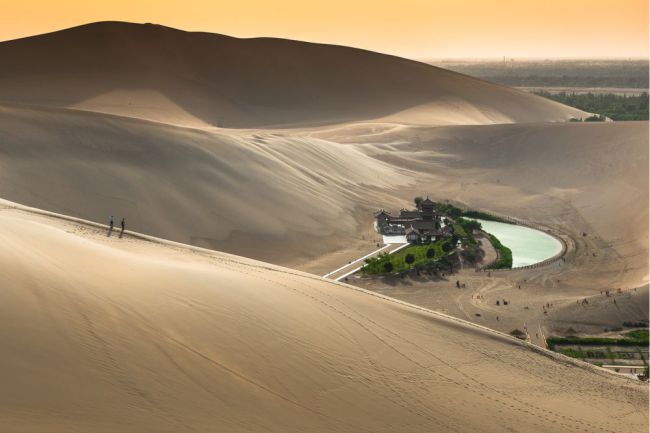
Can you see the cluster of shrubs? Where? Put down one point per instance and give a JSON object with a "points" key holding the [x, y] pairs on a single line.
{"points": [[637, 324], [505, 254], [456, 212]]}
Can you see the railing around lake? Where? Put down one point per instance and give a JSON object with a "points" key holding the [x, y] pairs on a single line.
{"points": [[519, 222]]}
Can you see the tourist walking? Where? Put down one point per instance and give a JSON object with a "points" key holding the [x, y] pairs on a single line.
{"points": [[111, 222], [122, 223]]}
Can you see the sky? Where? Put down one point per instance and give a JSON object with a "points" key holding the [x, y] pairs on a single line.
{"points": [[419, 29]]}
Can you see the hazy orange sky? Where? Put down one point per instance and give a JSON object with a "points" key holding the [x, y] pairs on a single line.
{"points": [[410, 28]]}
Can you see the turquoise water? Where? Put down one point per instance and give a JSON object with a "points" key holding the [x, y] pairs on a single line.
{"points": [[529, 246]]}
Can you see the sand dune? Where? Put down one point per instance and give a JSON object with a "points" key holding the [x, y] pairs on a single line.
{"points": [[313, 191], [247, 193], [107, 334], [200, 79]]}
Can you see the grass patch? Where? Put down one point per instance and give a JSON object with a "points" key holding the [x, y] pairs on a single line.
{"points": [[640, 335], [505, 254], [639, 338], [425, 256]]}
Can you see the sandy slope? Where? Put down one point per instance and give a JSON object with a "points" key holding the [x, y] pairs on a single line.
{"points": [[314, 191], [245, 193], [106, 334], [200, 79]]}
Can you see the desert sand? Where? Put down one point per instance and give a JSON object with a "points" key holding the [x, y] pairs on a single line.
{"points": [[269, 149], [137, 334], [198, 79]]}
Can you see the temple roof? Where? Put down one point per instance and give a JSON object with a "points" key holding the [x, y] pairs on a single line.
{"points": [[410, 230], [429, 226], [409, 213], [427, 204]]}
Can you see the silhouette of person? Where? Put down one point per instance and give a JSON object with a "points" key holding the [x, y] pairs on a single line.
{"points": [[122, 223], [111, 224]]}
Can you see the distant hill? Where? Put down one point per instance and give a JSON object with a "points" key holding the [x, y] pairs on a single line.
{"points": [[198, 79]]}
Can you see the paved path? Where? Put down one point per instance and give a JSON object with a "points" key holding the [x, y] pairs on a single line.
{"points": [[357, 264]]}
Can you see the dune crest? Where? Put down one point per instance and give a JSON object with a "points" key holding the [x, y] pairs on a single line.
{"points": [[121, 68]]}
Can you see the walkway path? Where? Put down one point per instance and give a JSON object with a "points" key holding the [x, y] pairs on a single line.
{"points": [[356, 265]]}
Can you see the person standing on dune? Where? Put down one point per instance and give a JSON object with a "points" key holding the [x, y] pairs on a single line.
{"points": [[122, 224], [111, 222]]}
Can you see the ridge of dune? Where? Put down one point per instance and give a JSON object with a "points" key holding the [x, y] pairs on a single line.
{"points": [[210, 79], [139, 334]]}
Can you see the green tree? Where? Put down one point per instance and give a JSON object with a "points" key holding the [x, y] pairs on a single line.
{"points": [[418, 200], [388, 267], [431, 253], [410, 258]]}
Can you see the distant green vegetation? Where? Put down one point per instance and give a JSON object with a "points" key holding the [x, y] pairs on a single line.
{"points": [[599, 354], [505, 254], [632, 338], [635, 340], [556, 73], [616, 107], [415, 257]]}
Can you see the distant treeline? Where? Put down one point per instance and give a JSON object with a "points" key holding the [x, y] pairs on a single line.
{"points": [[616, 107], [556, 73]]}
